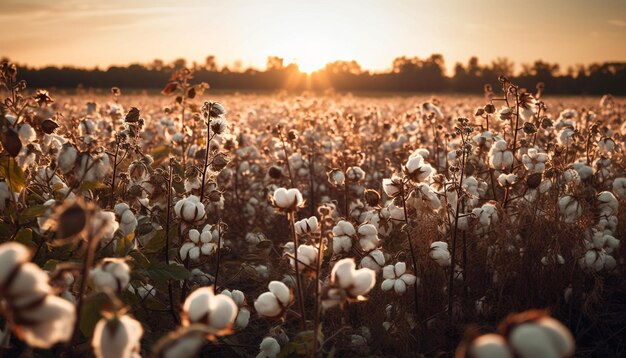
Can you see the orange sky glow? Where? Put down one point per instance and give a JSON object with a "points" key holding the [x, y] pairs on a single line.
{"points": [[310, 33]]}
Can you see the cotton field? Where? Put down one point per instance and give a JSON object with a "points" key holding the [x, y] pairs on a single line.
{"points": [[199, 223]]}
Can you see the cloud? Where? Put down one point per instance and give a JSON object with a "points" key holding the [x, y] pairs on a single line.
{"points": [[618, 23]]}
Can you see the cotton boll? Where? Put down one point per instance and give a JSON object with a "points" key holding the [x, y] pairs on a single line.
{"points": [[368, 237], [440, 254], [26, 133], [569, 208], [374, 260], [499, 157], [117, 338], [396, 277], [275, 302], [50, 322], [111, 274], [216, 312], [189, 209], [269, 348], [619, 187], [489, 346], [287, 199], [306, 226], [12, 254], [392, 187], [127, 220], [307, 256], [545, 337]]}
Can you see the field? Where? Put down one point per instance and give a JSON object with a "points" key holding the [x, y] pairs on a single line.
{"points": [[199, 222]]}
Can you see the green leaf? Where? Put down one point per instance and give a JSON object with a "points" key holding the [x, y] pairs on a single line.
{"points": [[32, 212], [161, 272], [159, 153], [93, 185], [124, 245], [156, 244], [91, 313], [13, 174], [25, 237], [140, 259]]}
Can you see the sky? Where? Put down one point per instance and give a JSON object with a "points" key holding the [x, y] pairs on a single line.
{"points": [[310, 33]]}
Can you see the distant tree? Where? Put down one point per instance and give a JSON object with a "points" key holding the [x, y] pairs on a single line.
{"points": [[275, 63], [210, 64]]}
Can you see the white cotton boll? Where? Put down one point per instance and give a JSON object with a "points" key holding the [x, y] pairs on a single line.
{"points": [[440, 254], [12, 254], [49, 323], [128, 221], [178, 137], [374, 260], [397, 278], [287, 198], [619, 187], [606, 145], [570, 209], [269, 348], [341, 244], [189, 209], [5, 194], [417, 169], [499, 157], [486, 214], [117, 338], [392, 187], [216, 312], [30, 282], [368, 237], [489, 346], [192, 183], [306, 226], [336, 177], [307, 256], [363, 280], [26, 133], [566, 136], [103, 223], [506, 180], [355, 174], [274, 302], [545, 337], [607, 203], [429, 108], [111, 274], [344, 228]]}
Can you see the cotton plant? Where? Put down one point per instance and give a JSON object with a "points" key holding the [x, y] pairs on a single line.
{"points": [[243, 314], [199, 244], [397, 278], [117, 337], [347, 283], [111, 274], [275, 302], [440, 254], [35, 314], [215, 313], [374, 260]]}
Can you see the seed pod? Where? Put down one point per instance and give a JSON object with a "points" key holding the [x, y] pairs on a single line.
{"points": [[48, 126]]}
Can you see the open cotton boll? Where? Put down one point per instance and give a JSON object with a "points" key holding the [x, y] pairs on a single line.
{"points": [[374, 260], [307, 256], [368, 237], [507, 180], [127, 220], [26, 133], [287, 199], [607, 203], [50, 322], [569, 208], [397, 278], [269, 348], [216, 312], [619, 187], [111, 274], [489, 346], [417, 169], [392, 187], [354, 282], [440, 254], [29, 283], [118, 337], [275, 302], [12, 254], [306, 226], [355, 174], [189, 209], [486, 214], [243, 315], [499, 156], [543, 338]]}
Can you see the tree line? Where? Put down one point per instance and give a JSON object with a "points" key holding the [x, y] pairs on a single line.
{"points": [[407, 74]]}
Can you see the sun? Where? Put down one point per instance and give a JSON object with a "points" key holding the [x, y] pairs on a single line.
{"points": [[310, 64]]}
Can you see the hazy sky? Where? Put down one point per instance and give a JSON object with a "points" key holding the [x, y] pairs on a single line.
{"points": [[90, 33]]}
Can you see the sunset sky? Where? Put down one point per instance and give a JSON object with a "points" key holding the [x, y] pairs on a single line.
{"points": [[310, 33]]}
